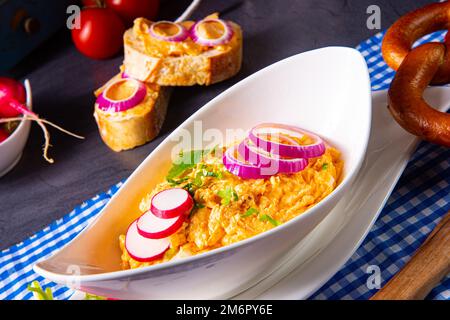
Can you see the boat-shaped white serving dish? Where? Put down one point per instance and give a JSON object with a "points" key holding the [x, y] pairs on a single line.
{"points": [[326, 91]]}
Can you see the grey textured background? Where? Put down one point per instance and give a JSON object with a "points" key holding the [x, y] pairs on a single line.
{"points": [[36, 193]]}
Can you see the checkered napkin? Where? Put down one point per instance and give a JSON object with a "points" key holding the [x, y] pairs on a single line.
{"points": [[420, 199]]}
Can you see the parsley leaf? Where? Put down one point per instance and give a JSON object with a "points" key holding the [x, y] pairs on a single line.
{"points": [[249, 212], [185, 161], [93, 297], [173, 182], [227, 195], [178, 169], [325, 166], [210, 174], [204, 173], [197, 205], [190, 187], [198, 178], [39, 293], [266, 217]]}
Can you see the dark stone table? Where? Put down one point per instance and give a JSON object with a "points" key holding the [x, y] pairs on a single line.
{"points": [[36, 193]]}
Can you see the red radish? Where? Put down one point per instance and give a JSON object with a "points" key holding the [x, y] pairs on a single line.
{"points": [[12, 104], [12, 98], [171, 203], [143, 249], [3, 135], [152, 227]]}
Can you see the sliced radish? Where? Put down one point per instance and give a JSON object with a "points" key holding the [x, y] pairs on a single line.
{"points": [[152, 227], [143, 249], [171, 203]]}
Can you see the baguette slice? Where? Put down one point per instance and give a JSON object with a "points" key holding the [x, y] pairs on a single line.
{"points": [[136, 126], [170, 68]]}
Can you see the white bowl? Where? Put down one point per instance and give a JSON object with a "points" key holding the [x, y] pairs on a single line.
{"points": [[11, 149], [326, 91]]}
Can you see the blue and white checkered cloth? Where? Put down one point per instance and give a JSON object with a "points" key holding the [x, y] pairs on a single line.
{"points": [[420, 199]]}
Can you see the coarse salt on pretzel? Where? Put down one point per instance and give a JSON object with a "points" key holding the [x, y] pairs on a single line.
{"points": [[416, 69]]}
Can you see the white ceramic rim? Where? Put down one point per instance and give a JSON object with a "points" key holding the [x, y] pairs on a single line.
{"points": [[342, 238], [169, 264]]}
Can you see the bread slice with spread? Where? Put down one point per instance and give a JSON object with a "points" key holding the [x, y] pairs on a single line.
{"points": [[184, 53], [129, 113]]}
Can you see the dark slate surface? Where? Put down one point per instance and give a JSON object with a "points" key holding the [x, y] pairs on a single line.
{"points": [[36, 193]]}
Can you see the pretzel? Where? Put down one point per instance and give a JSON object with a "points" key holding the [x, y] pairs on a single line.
{"points": [[416, 69], [405, 95]]}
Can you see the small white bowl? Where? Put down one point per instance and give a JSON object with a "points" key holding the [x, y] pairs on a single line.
{"points": [[326, 91], [11, 149]]}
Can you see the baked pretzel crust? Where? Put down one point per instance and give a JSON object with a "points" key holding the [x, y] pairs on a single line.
{"points": [[416, 69], [400, 37], [406, 103]]}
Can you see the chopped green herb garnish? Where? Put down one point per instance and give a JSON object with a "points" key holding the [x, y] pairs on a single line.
{"points": [[249, 212], [185, 161], [210, 174], [204, 173], [198, 179], [227, 195], [39, 293], [178, 169], [93, 297], [188, 160], [199, 205], [325, 166], [190, 187], [173, 182], [266, 217]]}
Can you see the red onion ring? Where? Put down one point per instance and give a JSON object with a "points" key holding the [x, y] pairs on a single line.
{"points": [[240, 168], [110, 105], [286, 150], [260, 158], [181, 35], [224, 38]]}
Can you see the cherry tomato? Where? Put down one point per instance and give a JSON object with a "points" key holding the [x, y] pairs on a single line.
{"points": [[3, 135], [100, 35], [129, 10], [92, 3]]}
